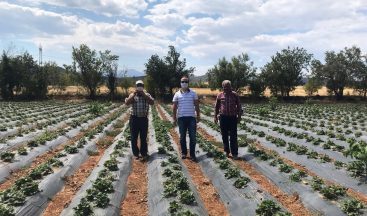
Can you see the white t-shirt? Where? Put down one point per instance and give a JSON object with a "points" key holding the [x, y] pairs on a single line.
{"points": [[186, 106]]}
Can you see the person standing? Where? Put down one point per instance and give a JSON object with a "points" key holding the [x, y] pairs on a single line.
{"points": [[140, 101], [185, 106], [228, 108]]}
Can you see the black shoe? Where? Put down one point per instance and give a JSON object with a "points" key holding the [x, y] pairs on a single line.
{"points": [[193, 159], [235, 157], [183, 156], [145, 158]]}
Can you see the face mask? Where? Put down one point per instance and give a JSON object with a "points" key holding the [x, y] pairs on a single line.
{"points": [[227, 90], [184, 85], [140, 88]]}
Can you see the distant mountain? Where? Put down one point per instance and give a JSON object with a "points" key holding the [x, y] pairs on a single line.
{"points": [[134, 73], [202, 78]]}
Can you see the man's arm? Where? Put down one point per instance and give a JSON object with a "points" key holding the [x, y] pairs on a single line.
{"points": [[149, 98], [130, 99], [216, 110], [238, 104], [197, 109], [174, 107]]}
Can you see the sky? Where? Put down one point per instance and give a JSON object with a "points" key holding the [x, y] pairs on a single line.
{"points": [[203, 31]]}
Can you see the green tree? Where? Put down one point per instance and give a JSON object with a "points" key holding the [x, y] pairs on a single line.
{"points": [[89, 65], [338, 70], [109, 67], [176, 68], [164, 74], [34, 81], [125, 82], [7, 79], [257, 85], [360, 78], [285, 71], [312, 86], [239, 71]]}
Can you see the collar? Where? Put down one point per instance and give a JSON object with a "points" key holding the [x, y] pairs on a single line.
{"points": [[188, 90]]}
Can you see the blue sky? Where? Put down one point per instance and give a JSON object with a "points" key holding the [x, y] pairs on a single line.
{"points": [[202, 30]]}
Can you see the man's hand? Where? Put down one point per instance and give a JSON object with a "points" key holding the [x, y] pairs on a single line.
{"points": [[216, 119], [174, 122]]}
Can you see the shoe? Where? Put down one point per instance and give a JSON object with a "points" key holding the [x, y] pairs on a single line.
{"points": [[193, 159], [183, 156], [145, 158], [235, 157]]}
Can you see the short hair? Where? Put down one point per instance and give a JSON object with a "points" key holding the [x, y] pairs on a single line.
{"points": [[185, 76], [226, 82]]}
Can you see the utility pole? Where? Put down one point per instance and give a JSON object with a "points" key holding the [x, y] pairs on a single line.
{"points": [[40, 55]]}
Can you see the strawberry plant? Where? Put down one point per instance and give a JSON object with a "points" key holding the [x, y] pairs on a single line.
{"points": [[6, 210], [84, 208], [103, 185], [174, 207], [71, 149], [358, 150], [27, 185], [317, 183], [186, 197], [268, 208], [40, 171], [12, 197], [241, 182], [352, 207], [333, 191], [7, 156], [111, 164], [285, 168], [22, 151], [232, 172]]}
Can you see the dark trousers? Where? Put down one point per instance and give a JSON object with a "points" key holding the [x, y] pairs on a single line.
{"points": [[139, 125], [187, 124], [228, 126]]}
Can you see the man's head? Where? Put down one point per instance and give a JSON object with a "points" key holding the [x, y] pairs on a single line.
{"points": [[185, 82], [226, 85], [139, 85]]}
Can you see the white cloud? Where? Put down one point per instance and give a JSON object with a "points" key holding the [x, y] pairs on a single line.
{"points": [[204, 30], [128, 8]]}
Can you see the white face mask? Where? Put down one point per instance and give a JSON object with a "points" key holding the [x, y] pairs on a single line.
{"points": [[184, 85], [140, 88]]}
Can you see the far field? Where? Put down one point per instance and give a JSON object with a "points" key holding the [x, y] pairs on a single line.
{"points": [[299, 91], [74, 158]]}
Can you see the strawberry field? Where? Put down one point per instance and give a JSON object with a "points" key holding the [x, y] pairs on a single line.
{"points": [[75, 158]]}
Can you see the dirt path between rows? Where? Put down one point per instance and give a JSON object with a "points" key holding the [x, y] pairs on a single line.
{"points": [[355, 194], [73, 183], [291, 202], [44, 157], [205, 188], [136, 200]]}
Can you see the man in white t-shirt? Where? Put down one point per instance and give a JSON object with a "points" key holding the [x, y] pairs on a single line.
{"points": [[185, 109]]}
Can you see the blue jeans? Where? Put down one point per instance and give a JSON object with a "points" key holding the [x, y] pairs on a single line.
{"points": [[187, 124]]}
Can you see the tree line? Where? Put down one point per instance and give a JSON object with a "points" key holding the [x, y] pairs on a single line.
{"points": [[22, 76], [287, 68]]}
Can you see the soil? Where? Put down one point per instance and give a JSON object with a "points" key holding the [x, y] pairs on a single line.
{"points": [[136, 200], [207, 192], [75, 181], [41, 159], [291, 202]]}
